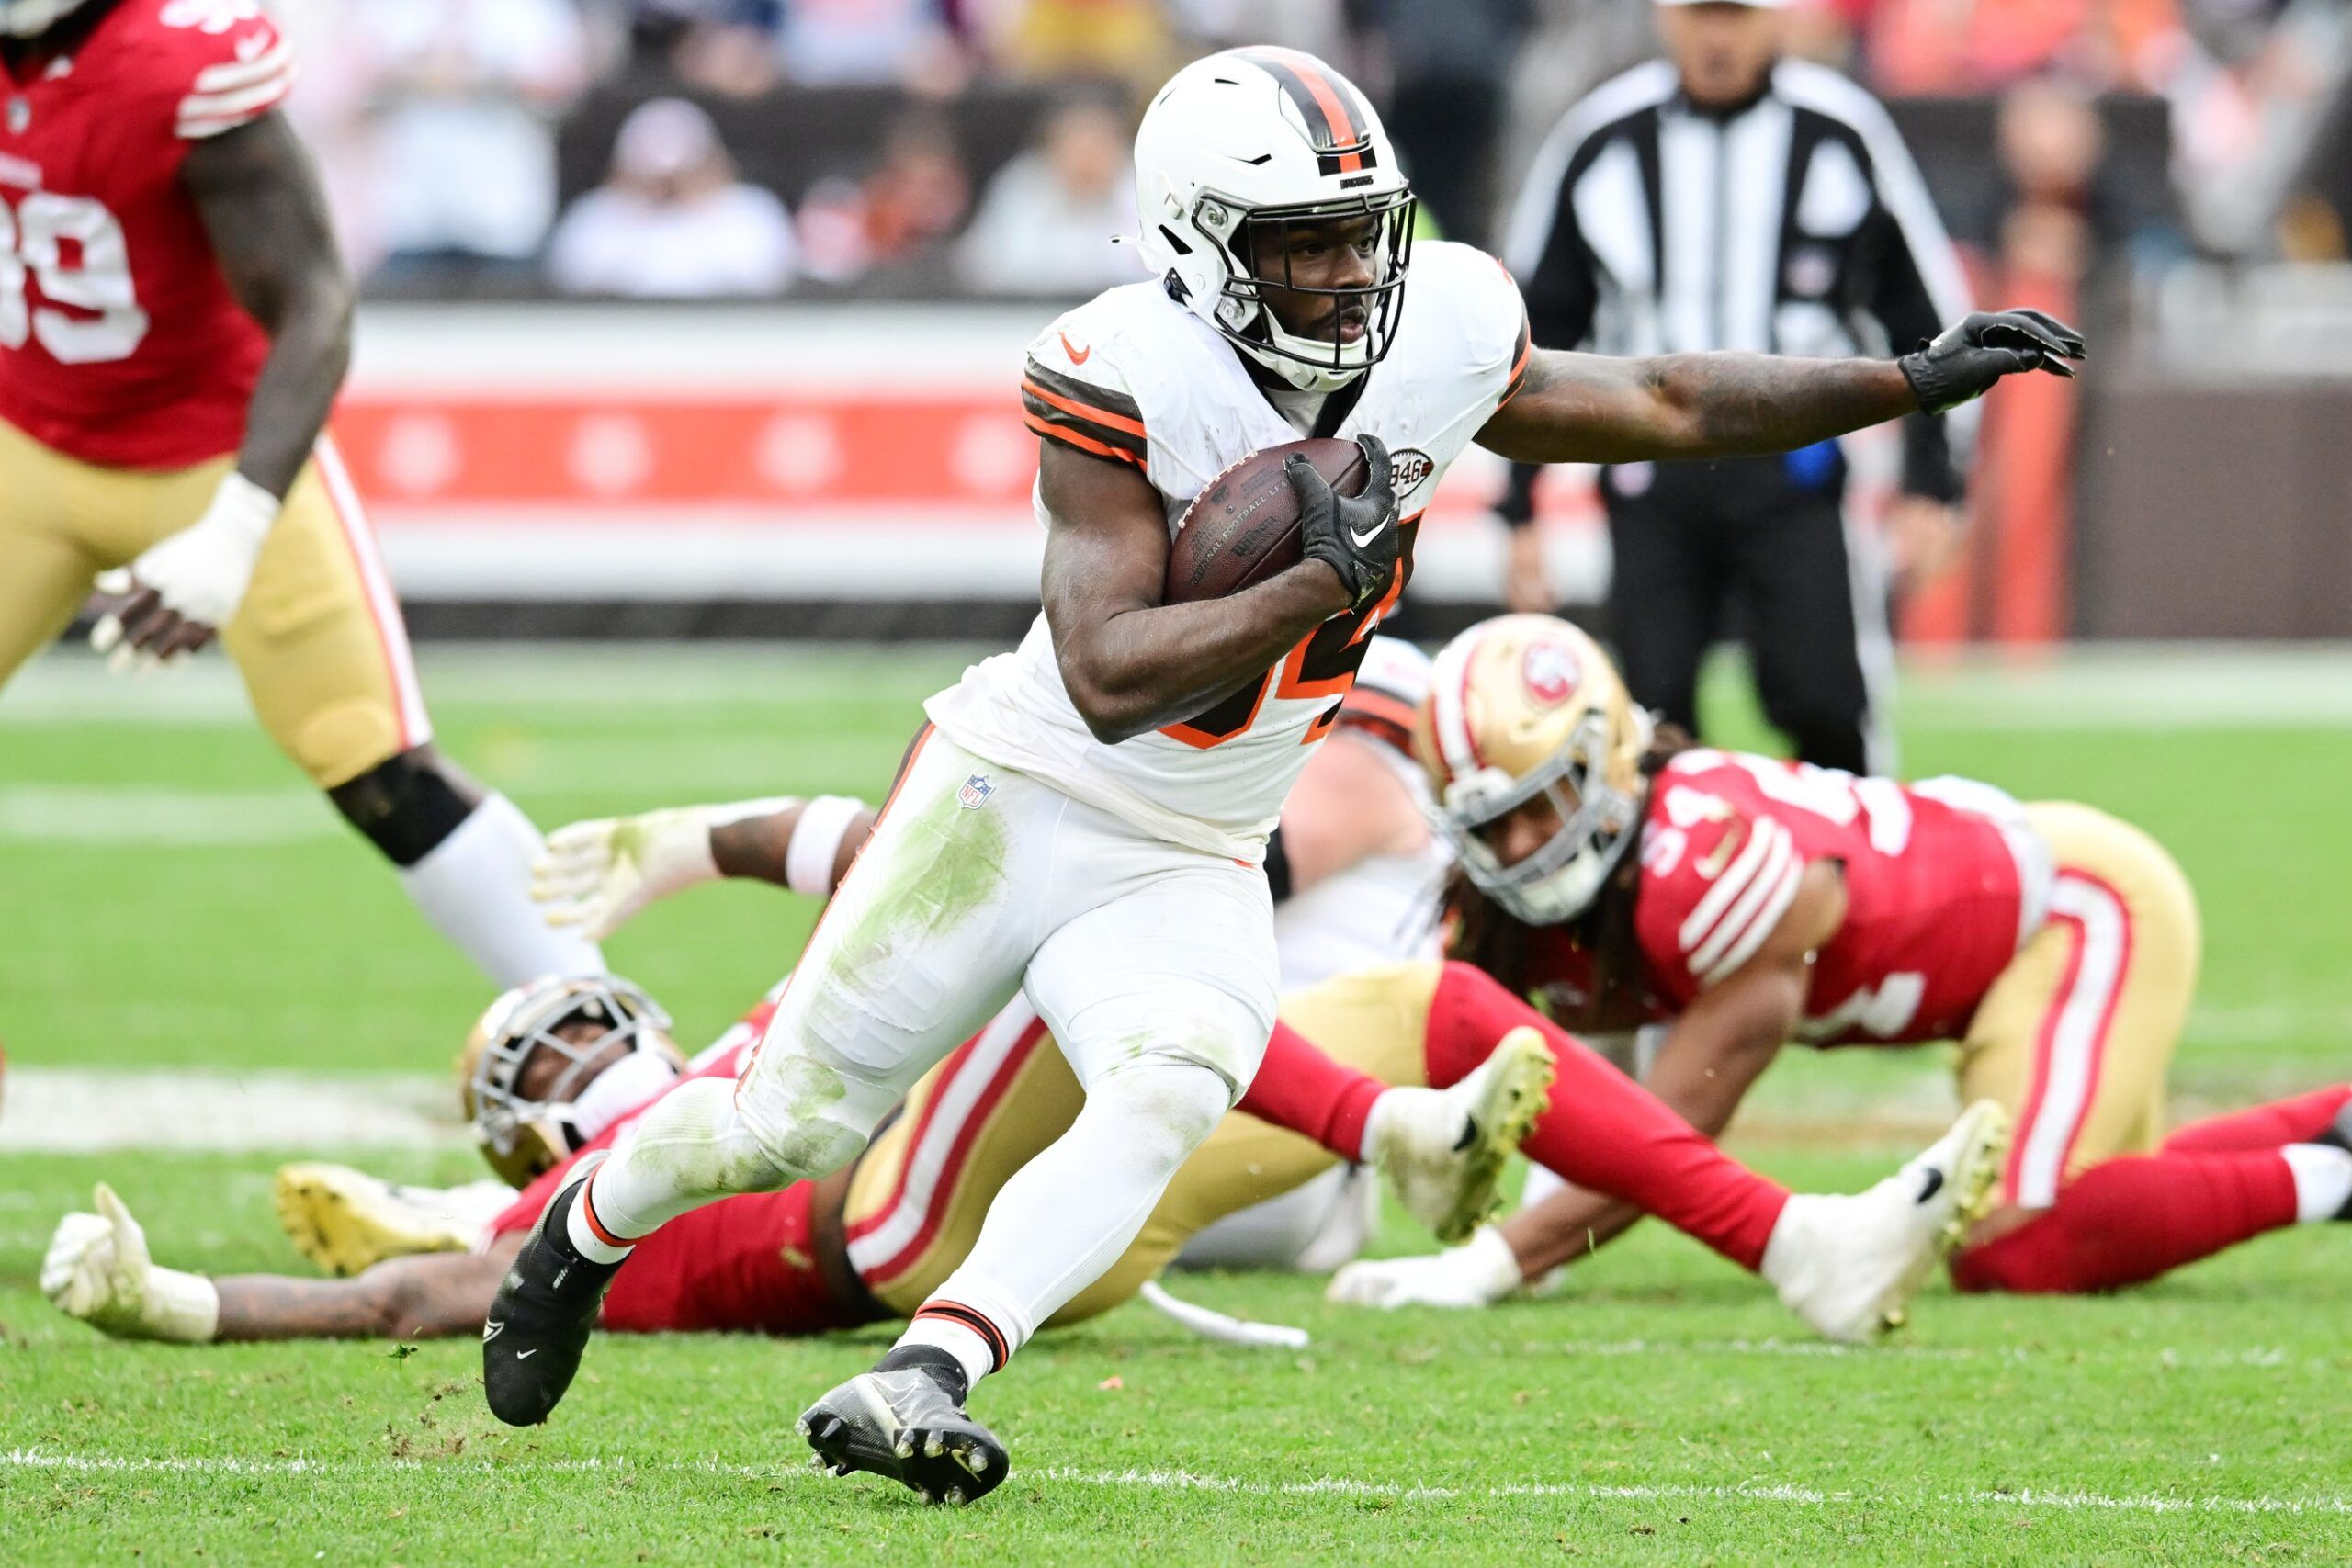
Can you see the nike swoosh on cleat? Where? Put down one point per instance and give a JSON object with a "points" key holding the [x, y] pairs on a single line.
{"points": [[1933, 1185], [526, 1355], [1367, 537], [491, 1329]]}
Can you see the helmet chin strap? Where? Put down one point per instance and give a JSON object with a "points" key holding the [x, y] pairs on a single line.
{"points": [[617, 1090]]}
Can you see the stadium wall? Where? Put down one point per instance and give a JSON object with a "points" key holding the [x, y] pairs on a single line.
{"points": [[793, 470]]}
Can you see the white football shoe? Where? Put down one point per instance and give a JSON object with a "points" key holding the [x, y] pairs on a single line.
{"points": [[1849, 1265], [347, 1220], [1443, 1150]]}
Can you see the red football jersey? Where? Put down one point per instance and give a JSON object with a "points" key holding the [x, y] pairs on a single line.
{"points": [[1934, 892], [120, 344]]}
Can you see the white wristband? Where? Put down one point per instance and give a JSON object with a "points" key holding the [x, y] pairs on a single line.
{"points": [[180, 1307], [816, 844], [241, 511]]}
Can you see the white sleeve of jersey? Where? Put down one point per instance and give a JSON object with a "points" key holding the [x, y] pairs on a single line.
{"points": [[1076, 388], [1481, 321]]}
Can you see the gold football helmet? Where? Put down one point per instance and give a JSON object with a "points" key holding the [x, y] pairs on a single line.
{"points": [[523, 1137], [1523, 707]]}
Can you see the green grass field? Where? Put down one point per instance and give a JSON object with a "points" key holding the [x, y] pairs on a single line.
{"points": [[172, 897]]}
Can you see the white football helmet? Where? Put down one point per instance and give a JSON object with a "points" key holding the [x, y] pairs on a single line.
{"points": [[1527, 705], [1235, 147], [521, 1137], [30, 18]]}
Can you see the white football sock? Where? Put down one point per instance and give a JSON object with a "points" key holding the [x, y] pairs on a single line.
{"points": [[2323, 1180], [971, 1351], [475, 889], [1065, 1216]]}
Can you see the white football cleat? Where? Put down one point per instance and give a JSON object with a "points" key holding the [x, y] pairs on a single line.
{"points": [[1849, 1265], [347, 1220], [1443, 1150]]}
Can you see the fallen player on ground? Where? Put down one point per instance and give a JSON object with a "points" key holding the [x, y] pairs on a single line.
{"points": [[870, 1244]]}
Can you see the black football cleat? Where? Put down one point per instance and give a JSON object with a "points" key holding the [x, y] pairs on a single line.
{"points": [[546, 1308], [907, 1422]]}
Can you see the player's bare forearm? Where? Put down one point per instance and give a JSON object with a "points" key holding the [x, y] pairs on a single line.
{"points": [[1584, 408], [1132, 663], [756, 848], [435, 1296], [1563, 1227], [1153, 665], [262, 208]]}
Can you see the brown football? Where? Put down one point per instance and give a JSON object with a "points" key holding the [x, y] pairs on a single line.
{"points": [[1244, 527]]}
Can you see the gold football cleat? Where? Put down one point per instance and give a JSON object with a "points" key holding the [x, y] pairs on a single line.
{"points": [[347, 1220]]}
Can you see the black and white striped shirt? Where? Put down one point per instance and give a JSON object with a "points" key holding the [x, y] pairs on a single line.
{"points": [[1795, 224]]}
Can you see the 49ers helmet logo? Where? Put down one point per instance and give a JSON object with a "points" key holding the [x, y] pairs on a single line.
{"points": [[1552, 672]]}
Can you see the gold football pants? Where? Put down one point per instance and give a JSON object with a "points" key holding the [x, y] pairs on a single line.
{"points": [[2077, 1034], [318, 640]]}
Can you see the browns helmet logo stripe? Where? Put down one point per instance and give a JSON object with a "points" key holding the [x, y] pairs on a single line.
{"points": [[1336, 120], [1089, 419]]}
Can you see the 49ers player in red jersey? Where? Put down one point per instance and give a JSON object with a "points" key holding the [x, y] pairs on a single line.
{"points": [[1633, 876], [175, 322]]}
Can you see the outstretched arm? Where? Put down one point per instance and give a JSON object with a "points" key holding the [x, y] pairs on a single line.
{"points": [[1584, 408], [1710, 1058], [436, 1295], [98, 1269], [600, 873]]}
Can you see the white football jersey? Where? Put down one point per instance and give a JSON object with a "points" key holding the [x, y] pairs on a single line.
{"points": [[1134, 378]]}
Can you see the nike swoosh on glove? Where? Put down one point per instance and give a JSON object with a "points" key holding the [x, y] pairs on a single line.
{"points": [[1355, 535], [1963, 360]]}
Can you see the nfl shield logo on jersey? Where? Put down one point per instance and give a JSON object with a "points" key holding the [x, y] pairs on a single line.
{"points": [[974, 792]]}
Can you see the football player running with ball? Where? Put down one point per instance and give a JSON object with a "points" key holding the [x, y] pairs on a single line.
{"points": [[174, 324], [1084, 818]]}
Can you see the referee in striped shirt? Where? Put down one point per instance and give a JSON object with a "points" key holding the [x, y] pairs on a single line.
{"points": [[1725, 197]]}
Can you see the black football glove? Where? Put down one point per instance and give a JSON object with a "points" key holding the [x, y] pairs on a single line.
{"points": [[1355, 535], [1967, 358]]}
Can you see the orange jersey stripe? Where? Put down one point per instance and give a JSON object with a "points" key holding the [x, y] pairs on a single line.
{"points": [[1071, 438], [1104, 417]]}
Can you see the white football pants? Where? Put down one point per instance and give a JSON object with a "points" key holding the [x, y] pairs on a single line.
{"points": [[978, 882]]}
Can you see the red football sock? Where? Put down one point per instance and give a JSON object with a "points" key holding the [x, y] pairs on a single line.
{"points": [[1603, 1131], [2298, 1121], [1300, 1089], [2132, 1219]]}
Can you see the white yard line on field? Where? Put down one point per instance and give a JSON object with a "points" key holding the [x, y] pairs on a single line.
{"points": [[1189, 1480], [117, 815], [78, 1110]]}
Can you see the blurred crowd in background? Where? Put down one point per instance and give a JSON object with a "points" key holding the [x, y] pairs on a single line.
{"points": [[921, 147]]}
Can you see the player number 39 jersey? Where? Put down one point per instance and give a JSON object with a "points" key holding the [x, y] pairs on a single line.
{"points": [[120, 344], [1133, 378]]}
